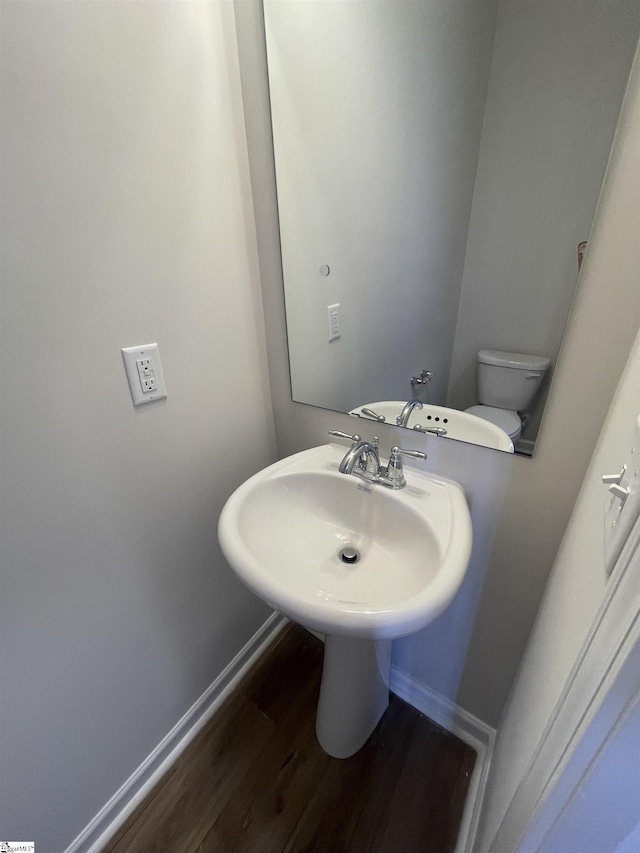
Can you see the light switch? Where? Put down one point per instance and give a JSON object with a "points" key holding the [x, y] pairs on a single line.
{"points": [[144, 372], [622, 501], [333, 316]]}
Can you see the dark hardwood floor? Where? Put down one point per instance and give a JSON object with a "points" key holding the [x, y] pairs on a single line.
{"points": [[255, 779]]}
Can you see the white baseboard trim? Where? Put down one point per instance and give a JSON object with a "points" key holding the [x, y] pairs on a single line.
{"points": [[469, 729], [110, 818]]}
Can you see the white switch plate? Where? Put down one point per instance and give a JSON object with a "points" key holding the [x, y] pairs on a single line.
{"points": [[619, 517], [333, 317], [144, 372]]}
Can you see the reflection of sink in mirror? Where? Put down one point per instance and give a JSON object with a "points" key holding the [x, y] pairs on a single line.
{"points": [[362, 564], [459, 425]]}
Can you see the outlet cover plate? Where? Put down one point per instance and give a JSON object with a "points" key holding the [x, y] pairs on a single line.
{"points": [[144, 372], [333, 319]]}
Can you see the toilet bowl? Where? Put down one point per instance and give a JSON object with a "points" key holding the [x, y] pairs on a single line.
{"points": [[507, 384], [508, 421]]}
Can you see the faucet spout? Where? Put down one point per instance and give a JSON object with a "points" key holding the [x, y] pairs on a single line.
{"points": [[403, 417], [362, 458]]}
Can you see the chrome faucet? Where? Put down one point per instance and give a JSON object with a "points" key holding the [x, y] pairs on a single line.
{"points": [[403, 417], [425, 377], [363, 460]]}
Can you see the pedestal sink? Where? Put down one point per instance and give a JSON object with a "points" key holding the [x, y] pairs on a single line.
{"points": [[359, 563]]}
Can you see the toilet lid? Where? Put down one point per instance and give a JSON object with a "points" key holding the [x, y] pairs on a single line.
{"points": [[516, 360], [504, 418]]}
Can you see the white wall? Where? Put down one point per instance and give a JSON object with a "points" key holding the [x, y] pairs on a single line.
{"points": [[558, 76], [122, 223], [577, 583], [576, 589], [377, 112], [520, 507]]}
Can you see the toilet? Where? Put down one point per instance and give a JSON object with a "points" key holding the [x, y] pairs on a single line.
{"points": [[507, 384]]}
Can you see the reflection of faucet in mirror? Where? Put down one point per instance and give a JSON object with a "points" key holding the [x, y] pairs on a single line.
{"points": [[403, 417], [371, 414], [425, 377], [431, 430]]}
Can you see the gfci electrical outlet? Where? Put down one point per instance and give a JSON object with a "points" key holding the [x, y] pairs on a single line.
{"points": [[147, 375], [144, 372]]}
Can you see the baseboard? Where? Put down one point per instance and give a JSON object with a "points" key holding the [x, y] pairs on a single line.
{"points": [[469, 729], [447, 714], [462, 724], [110, 818]]}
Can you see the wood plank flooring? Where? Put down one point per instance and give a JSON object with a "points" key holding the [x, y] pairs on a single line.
{"points": [[255, 779]]}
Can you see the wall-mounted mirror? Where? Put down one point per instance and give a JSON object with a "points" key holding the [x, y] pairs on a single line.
{"points": [[438, 165]]}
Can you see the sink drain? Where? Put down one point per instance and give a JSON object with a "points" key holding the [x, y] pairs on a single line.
{"points": [[349, 555]]}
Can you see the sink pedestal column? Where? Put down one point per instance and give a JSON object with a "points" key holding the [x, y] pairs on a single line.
{"points": [[354, 692]]}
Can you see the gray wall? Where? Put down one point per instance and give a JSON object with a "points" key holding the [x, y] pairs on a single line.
{"points": [[123, 222], [558, 76], [520, 507], [578, 582], [375, 178]]}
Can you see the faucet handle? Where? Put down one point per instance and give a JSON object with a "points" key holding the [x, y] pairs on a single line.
{"points": [[431, 430], [336, 432], [394, 475], [398, 451], [371, 414]]}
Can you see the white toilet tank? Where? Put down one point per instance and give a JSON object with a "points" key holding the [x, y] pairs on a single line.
{"points": [[509, 380]]}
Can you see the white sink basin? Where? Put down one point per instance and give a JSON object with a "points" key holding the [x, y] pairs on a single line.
{"points": [[459, 425], [283, 530]]}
